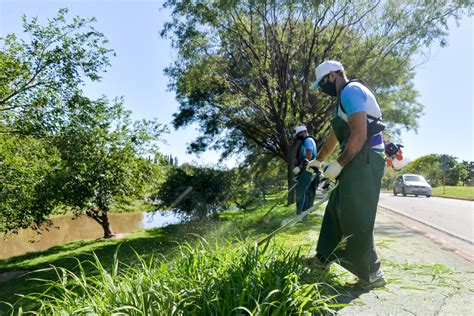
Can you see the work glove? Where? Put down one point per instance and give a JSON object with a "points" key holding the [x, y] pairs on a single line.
{"points": [[314, 164], [331, 170], [296, 170], [305, 162]]}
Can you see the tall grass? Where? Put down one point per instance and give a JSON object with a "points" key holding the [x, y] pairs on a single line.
{"points": [[233, 279]]}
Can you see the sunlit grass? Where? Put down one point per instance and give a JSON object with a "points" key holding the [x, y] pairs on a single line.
{"points": [[203, 279], [161, 242], [173, 271], [454, 191]]}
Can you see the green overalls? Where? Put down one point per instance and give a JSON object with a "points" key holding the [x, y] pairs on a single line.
{"points": [[350, 213], [306, 187]]}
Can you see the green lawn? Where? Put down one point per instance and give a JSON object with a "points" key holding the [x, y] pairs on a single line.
{"points": [[455, 192]]}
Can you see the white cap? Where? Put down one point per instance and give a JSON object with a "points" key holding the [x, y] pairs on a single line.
{"points": [[299, 129], [323, 69]]}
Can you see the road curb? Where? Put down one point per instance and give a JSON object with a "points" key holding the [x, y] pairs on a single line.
{"points": [[425, 223], [453, 198], [411, 224]]}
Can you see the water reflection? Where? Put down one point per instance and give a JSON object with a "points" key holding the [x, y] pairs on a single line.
{"points": [[159, 219], [66, 229]]}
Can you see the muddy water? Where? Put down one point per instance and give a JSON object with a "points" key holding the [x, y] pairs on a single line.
{"points": [[66, 229]]}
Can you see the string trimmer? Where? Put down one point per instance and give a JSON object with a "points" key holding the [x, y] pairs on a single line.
{"points": [[300, 216]]}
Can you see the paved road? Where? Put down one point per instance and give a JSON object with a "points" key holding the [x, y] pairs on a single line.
{"points": [[455, 217]]}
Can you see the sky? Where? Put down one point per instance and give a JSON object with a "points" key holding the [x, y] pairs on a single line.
{"points": [[445, 83]]}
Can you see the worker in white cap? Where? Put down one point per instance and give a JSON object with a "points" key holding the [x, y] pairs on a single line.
{"points": [[350, 213], [307, 179]]}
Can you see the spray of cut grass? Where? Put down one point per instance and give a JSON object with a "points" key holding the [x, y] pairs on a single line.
{"points": [[426, 276], [233, 279]]}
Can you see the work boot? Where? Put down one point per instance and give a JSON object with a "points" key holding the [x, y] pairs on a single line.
{"points": [[375, 280], [317, 261]]}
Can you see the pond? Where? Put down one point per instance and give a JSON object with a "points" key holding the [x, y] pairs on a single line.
{"points": [[66, 229]]}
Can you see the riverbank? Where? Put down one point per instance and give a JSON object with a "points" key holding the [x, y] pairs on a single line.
{"points": [[418, 271], [68, 228], [145, 243], [157, 243]]}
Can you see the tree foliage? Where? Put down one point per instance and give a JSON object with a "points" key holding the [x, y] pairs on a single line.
{"points": [[43, 71], [94, 161], [197, 191], [58, 149], [100, 159], [264, 171], [390, 177], [24, 163], [244, 68], [468, 175], [429, 166]]}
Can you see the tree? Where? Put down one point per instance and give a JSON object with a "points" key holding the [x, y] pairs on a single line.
{"points": [[264, 171], [58, 149], [427, 166], [197, 192], [390, 177], [244, 67], [468, 174], [40, 74], [430, 167], [102, 159], [93, 162], [455, 173]]}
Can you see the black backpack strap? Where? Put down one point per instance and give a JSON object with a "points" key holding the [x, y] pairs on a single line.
{"points": [[298, 158], [309, 137], [365, 85], [374, 127], [315, 169]]}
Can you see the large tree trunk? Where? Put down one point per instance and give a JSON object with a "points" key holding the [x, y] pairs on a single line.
{"points": [[102, 218], [291, 159]]}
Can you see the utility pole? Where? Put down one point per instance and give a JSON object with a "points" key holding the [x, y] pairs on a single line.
{"points": [[444, 166], [444, 182]]}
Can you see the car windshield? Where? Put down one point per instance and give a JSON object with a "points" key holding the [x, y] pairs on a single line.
{"points": [[414, 178]]}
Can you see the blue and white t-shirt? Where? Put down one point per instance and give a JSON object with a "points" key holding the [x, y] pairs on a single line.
{"points": [[355, 98], [308, 143]]}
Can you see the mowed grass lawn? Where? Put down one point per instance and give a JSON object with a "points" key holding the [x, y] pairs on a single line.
{"points": [[462, 192]]}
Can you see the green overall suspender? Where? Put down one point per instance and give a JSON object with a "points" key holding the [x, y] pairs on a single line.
{"points": [[350, 213]]}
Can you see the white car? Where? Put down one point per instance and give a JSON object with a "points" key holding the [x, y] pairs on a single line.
{"points": [[412, 184]]}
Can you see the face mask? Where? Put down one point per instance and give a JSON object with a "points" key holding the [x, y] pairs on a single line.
{"points": [[329, 88], [300, 137]]}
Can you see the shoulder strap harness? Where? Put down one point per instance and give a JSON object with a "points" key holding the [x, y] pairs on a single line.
{"points": [[377, 125]]}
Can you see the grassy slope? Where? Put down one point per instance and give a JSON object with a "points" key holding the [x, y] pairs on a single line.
{"points": [[162, 242]]}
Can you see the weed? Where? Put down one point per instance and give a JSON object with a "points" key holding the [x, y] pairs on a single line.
{"points": [[202, 280]]}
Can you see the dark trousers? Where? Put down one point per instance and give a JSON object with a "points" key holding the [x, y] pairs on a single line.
{"points": [[348, 224]]}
